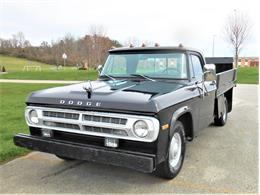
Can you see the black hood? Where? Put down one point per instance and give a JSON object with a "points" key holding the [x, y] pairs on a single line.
{"points": [[114, 95]]}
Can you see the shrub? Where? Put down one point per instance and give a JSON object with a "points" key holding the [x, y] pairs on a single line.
{"points": [[3, 69]]}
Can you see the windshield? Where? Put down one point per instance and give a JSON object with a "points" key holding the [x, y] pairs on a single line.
{"points": [[156, 65]]}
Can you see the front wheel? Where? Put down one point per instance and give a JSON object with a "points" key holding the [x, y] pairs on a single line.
{"points": [[176, 152]]}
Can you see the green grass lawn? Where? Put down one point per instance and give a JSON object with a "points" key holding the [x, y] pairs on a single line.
{"points": [[248, 75], [14, 67], [16, 64], [77, 75], [12, 98]]}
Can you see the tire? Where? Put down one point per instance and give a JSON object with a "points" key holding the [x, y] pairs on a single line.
{"points": [[222, 120], [64, 158], [175, 155]]}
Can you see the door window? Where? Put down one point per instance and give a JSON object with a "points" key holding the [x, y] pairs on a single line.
{"points": [[197, 67]]}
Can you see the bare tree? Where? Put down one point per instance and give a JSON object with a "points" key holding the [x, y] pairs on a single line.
{"points": [[97, 30], [14, 41], [236, 31], [90, 49], [99, 43], [21, 39]]}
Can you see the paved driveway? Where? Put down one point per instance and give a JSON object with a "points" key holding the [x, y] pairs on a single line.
{"points": [[220, 160]]}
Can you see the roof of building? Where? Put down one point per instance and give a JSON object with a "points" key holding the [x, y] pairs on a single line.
{"points": [[257, 58]]}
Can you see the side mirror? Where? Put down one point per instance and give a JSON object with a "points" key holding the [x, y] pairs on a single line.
{"points": [[99, 68], [210, 72]]}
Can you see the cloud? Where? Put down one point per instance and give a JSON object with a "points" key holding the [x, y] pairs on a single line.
{"points": [[192, 23]]}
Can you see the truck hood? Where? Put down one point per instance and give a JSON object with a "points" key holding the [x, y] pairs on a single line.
{"points": [[112, 95]]}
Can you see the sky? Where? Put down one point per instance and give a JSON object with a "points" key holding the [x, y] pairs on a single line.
{"points": [[167, 22]]}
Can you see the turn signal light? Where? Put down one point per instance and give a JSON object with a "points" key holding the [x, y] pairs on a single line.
{"points": [[166, 126]]}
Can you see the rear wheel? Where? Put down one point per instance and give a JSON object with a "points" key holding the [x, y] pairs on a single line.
{"points": [[221, 121], [176, 152]]}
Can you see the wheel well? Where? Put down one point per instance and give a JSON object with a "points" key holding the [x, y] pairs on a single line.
{"points": [[186, 120]]}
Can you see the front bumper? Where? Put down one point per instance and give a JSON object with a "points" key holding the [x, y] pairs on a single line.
{"points": [[133, 160]]}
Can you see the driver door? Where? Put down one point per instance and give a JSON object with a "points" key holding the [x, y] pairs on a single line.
{"points": [[206, 97]]}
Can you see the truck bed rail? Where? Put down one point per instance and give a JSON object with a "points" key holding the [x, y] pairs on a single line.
{"points": [[225, 81]]}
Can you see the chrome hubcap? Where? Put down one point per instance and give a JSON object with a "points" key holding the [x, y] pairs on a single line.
{"points": [[175, 150]]}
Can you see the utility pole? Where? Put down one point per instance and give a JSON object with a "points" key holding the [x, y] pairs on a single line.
{"points": [[213, 45]]}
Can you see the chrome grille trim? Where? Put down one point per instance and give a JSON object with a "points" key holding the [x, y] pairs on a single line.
{"points": [[61, 125], [105, 130], [114, 125], [61, 115], [104, 119]]}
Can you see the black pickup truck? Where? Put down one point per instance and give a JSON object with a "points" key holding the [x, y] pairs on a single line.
{"points": [[147, 102]]}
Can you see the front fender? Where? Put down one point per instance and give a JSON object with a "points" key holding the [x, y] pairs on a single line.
{"points": [[169, 116], [179, 112]]}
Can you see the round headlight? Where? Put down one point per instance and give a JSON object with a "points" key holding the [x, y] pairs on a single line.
{"points": [[33, 116], [141, 128]]}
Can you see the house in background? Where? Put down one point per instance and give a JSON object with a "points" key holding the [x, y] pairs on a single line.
{"points": [[248, 61]]}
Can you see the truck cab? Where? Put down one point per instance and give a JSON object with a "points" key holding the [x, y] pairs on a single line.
{"points": [[145, 105]]}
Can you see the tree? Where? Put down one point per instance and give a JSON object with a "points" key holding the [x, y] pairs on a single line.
{"points": [[99, 44], [44, 44], [98, 30], [116, 43], [21, 39], [236, 31], [90, 49]]}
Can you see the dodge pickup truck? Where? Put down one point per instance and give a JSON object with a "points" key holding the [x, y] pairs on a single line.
{"points": [[146, 104]]}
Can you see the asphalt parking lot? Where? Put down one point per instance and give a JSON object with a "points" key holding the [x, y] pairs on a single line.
{"points": [[219, 160]]}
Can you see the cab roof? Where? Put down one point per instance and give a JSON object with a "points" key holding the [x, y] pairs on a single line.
{"points": [[152, 49]]}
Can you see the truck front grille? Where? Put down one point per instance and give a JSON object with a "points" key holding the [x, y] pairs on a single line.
{"points": [[104, 119], [65, 115], [61, 125], [105, 130], [86, 122], [93, 123]]}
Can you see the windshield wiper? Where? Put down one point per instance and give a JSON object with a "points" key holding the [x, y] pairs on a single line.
{"points": [[108, 76], [143, 76]]}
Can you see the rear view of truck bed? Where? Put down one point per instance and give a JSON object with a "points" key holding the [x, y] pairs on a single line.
{"points": [[226, 74]]}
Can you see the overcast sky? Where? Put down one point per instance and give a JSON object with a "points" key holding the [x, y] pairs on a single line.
{"points": [[168, 22]]}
